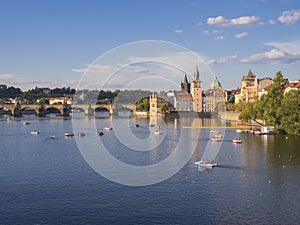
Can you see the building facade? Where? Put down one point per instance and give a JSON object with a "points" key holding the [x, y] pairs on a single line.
{"points": [[215, 97], [197, 92]]}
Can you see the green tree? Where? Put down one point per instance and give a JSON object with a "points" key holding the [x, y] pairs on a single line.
{"points": [[143, 105], [164, 107], [290, 112], [248, 114], [267, 107]]}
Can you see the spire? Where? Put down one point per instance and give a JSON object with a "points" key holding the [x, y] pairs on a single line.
{"points": [[196, 74], [185, 81], [185, 86], [250, 74], [215, 84]]}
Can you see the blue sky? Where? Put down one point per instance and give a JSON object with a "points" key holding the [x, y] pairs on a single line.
{"points": [[52, 42]]}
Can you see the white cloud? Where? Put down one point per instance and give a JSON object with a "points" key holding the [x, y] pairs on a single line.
{"points": [[274, 56], [222, 60], [289, 17], [240, 21], [241, 35], [292, 47], [272, 22], [207, 32], [94, 68], [219, 38], [178, 31]]}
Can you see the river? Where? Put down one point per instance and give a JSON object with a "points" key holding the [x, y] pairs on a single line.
{"points": [[52, 181]]}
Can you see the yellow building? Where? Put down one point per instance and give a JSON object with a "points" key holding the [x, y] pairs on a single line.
{"points": [[249, 87], [157, 99], [197, 92], [252, 87]]}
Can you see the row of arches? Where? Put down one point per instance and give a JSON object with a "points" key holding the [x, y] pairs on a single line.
{"points": [[71, 111]]}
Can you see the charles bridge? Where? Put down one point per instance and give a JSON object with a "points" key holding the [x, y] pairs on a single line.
{"points": [[18, 110]]}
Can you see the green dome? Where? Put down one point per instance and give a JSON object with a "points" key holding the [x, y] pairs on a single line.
{"points": [[215, 84]]}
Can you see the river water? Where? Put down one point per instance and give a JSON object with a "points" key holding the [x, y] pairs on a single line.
{"points": [[48, 181]]}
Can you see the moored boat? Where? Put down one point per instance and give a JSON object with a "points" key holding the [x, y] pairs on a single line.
{"points": [[237, 141], [107, 128], [52, 136], [157, 132]]}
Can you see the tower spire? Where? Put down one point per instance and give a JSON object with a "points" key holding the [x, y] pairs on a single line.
{"points": [[185, 86], [196, 74]]}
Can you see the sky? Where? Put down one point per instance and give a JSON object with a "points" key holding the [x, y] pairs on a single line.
{"points": [[104, 43]]}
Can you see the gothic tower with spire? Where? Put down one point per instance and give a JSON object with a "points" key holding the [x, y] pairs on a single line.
{"points": [[197, 92], [186, 86]]}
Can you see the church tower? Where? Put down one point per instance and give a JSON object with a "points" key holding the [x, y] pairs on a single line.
{"points": [[197, 92], [186, 86]]}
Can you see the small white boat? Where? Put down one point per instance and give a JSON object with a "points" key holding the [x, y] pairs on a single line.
{"points": [[157, 132], [239, 130], [214, 132], [35, 132], [217, 138], [237, 141], [26, 123], [257, 132], [69, 134], [52, 136], [107, 128], [205, 163]]}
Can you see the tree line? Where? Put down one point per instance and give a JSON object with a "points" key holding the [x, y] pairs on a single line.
{"points": [[276, 108]]}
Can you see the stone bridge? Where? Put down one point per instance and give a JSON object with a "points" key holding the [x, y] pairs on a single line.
{"points": [[64, 110]]}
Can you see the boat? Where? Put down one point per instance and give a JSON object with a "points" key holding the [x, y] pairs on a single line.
{"points": [[257, 132], [205, 163], [157, 132], [100, 133], [217, 138], [26, 123], [214, 132], [52, 136], [107, 128], [137, 125], [81, 134], [35, 132], [237, 141], [239, 130], [69, 134]]}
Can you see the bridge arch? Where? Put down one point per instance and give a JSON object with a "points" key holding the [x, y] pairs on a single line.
{"points": [[5, 111], [125, 112], [53, 110], [101, 112], [30, 111]]}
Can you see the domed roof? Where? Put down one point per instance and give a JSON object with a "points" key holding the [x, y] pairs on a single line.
{"points": [[215, 84]]}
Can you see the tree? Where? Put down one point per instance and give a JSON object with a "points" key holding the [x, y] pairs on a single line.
{"points": [[290, 112], [270, 103], [164, 107], [249, 113], [143, 105]]}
